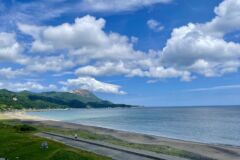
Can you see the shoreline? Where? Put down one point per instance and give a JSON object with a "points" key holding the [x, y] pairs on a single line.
{"points": [[217, 151], [22, 116], [134, 132]]}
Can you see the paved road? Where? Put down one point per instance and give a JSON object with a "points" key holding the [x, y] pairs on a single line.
{"points": [[109, 150]]}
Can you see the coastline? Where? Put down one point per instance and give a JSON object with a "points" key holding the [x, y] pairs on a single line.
{"points": [[216, 151]]}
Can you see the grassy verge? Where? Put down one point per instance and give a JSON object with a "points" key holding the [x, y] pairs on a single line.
{"points": [[18, 142]]}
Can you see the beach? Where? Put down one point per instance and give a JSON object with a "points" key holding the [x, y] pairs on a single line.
{"points": [[20, 115], [214, 151]]}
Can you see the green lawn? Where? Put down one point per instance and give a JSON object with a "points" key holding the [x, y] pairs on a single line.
{"points": [[17, 143]]}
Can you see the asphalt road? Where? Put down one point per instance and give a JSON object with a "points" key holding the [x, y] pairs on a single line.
{"points": [[109, 150]]}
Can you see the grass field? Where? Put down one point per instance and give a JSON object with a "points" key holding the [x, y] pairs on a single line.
{"points": [[17, 142]]}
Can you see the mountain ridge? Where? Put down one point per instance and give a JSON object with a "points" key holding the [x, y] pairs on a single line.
{"points": [[53, 100]]}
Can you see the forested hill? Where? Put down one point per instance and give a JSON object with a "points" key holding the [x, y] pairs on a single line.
{"points": [[52, 100]]}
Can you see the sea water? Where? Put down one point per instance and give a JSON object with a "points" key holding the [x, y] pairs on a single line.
{"points": [[219, 125]]}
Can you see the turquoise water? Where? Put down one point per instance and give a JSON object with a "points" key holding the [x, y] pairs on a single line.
{"points": [[201, 124]]}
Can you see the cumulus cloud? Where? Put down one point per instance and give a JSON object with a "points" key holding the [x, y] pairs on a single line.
{"points": [[149, 66], [227, 18], [106, 68], [85, 40], [30, 86], [49, 63], [201, 48], [155, 25], [11, 73], [192, 50], [161, 73], [10, 49], [92, 84]]}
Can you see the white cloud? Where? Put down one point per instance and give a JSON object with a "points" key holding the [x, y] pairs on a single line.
{"points": [[86, 31], [11, 73], [26, 12], [201, 48], [148, 66], [155, 25], [63, 74], [161, 72], [224, 87], [93, 85], [10, 49], [191, 50], [117, 5], [49, 63], [85, 40], [30, 86], [227, 18], [107, 68]]}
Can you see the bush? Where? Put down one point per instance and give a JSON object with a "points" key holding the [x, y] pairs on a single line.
{"points": [[25, 128]]}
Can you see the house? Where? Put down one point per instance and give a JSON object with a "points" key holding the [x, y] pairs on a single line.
{"points": [[14, 99]]}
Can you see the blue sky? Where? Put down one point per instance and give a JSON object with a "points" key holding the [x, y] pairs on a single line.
{"points": [[153, 53]]}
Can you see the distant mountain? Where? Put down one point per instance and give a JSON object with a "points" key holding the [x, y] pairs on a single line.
{"points": [[86, 95], [52, 100]]}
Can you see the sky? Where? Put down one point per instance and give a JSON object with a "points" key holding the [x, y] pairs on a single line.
{"points": [[142, 52]]}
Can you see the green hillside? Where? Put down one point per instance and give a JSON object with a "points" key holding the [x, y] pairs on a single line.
{"points": [[50, 100]]}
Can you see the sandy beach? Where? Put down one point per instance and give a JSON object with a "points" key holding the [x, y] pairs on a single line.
{"points": [[20, 115], [215, 151]]}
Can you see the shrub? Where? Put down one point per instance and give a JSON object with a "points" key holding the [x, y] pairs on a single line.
{"points": [[24, 128]]}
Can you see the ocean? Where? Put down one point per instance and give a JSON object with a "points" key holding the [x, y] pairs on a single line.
{"points": [[217, 125]]}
